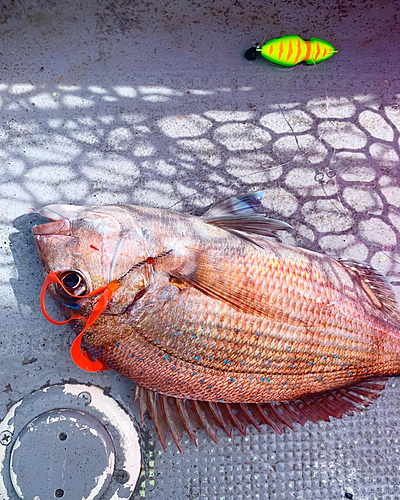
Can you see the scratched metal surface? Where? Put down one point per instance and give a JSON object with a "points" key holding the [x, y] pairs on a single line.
{"points": [[153, 103]]}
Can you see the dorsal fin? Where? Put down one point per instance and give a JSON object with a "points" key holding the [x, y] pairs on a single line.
{"points": [[242, 213], [246, 204], [375, 285]]}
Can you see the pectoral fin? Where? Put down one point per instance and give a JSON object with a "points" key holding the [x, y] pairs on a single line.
{"points": [[211, 275]]}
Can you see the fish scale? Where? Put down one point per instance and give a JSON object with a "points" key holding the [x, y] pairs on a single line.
{"points": [[209, 309], [185, 360], [160, 324]]}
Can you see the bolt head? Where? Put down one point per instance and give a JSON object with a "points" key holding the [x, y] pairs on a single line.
{"points": [[86, 397], [5, 438], [121, 476]]}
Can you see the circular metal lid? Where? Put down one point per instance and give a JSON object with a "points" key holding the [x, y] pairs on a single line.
{"points": [[68, 441], [62, 454]]}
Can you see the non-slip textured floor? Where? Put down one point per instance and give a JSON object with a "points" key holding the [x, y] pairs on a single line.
{"points": [[153, 103]]}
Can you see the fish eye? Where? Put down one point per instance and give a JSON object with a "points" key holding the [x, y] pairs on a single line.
{"points": [[74, 282]]}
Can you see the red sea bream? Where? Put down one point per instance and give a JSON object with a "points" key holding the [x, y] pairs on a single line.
{"points": [[217, 323]]}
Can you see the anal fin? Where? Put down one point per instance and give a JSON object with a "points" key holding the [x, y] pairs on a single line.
{"points": [[173, 416]]}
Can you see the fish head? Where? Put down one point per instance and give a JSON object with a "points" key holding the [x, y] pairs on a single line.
{"points": [[87, 248]]}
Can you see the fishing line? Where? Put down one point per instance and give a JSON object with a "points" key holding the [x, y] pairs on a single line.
{"points": [[389, 256], [148, 261], [303, 153]]}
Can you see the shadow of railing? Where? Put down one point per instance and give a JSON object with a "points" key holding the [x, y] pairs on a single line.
{"points": [[329, 166]]}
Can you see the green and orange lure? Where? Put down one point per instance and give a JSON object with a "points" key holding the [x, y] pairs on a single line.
{"points": [[290, 50]]}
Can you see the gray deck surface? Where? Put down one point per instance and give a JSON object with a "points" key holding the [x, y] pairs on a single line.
{"points": [[153, 103]]}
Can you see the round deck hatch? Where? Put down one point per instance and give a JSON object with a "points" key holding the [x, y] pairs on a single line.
{"points": [[62, 454], [69, 441]]}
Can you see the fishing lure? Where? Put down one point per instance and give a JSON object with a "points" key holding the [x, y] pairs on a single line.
{"points": [[80, 357], [290, 50]]}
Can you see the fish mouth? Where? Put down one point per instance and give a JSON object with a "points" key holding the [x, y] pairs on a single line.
{"points": [[60, 217], [60, 227]]}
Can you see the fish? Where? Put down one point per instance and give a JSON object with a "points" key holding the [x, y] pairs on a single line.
{"points": [[219, 324]]}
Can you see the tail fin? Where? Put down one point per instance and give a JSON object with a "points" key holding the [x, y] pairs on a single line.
{"points": [[376, 286]]}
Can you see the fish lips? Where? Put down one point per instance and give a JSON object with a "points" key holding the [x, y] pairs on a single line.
{"points": [[60, 227], [61, 217], [49, 236]]}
